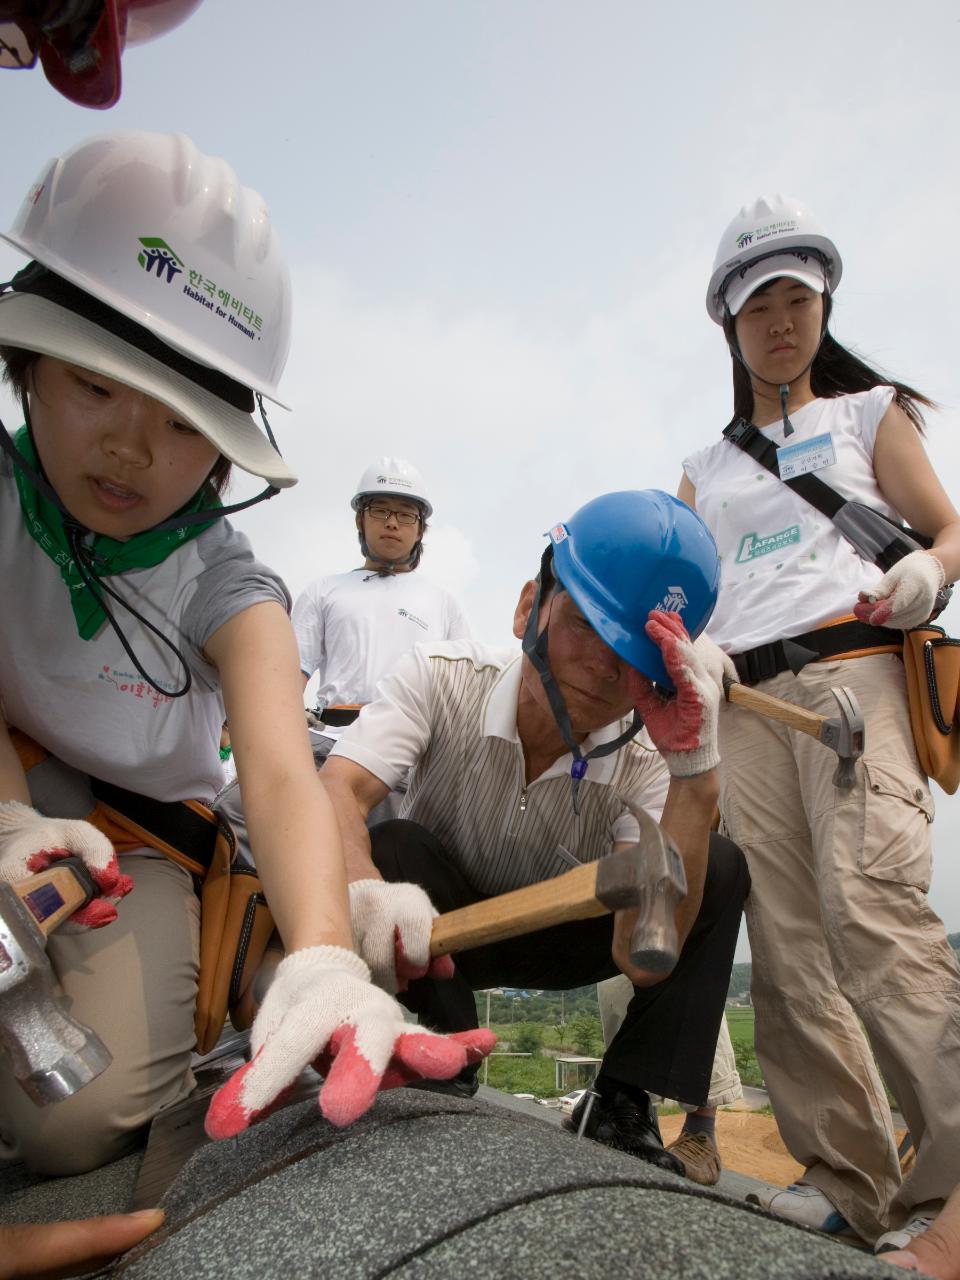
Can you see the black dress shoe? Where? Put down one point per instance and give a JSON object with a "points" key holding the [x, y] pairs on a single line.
{"points": [[627, 1121], [462, 1086]]}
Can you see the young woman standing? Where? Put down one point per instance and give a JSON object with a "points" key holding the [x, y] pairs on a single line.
{"points": [[843, 939]]}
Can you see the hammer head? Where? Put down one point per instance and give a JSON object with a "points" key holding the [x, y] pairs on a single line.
{"points": [[845, 734], [650, 878], [52, 1054]]}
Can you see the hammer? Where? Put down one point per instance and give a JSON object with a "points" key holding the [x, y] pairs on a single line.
{"points": [[844, 734], [649, 876], [52, 1054]]}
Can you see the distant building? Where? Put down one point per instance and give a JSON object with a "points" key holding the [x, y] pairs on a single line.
{"points": [[573, 1071]]}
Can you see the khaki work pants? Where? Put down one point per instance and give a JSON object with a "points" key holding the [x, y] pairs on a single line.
{"points": [[614, 994], [135, 983], [841, 934]]}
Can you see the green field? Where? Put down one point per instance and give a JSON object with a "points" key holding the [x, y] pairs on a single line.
{"points": [[537, 1074], [740, 1024]]}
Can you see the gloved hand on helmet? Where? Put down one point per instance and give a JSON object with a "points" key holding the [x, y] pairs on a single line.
{"points": [[905, 596], [30, 842], [322, 1009], [683, 728], [391, 925]]}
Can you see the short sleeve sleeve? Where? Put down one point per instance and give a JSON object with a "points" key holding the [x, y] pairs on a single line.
{"points": [[878, 400], [307, 619], [393, 731]]}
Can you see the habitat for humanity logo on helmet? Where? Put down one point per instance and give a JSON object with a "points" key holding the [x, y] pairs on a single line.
{"points": [[157, 258], [397, 482], [675, 601], [781, 227], [744, 238], [157, 254]]}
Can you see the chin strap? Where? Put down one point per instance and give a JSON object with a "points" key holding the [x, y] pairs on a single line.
{"points": [[387, 568], [784, 387], [88, 562], [535, 646]]}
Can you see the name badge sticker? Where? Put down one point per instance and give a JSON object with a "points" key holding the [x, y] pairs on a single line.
{"points": [[805, 456]]}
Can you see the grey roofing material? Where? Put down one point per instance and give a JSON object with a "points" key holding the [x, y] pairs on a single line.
{"points": [[27, 1197], [427, 1186]]}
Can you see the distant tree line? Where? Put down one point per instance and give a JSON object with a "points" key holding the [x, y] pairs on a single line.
{"points": [[556, 1008]]}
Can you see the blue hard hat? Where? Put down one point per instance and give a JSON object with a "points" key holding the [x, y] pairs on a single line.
{"points": [[626, 553]]}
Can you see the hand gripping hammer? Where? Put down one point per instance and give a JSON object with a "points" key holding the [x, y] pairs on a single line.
{"points": [[648, 877], [52, 1054]]}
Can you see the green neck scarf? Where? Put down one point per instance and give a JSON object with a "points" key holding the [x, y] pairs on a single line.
{"points": [[144, 550]]}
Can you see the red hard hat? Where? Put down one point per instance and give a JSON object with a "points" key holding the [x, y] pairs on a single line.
{"points": [[79, 43]]}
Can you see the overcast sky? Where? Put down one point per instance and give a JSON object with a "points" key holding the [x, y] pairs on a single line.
{"points": [[501, 218]]}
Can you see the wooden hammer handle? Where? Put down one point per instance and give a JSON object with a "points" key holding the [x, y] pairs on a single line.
{"points": [[787, 713], [537, 906], [52, 895]]}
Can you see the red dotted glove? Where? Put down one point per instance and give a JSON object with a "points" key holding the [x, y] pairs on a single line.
{"points": [[683, 728], [391, 925], [905, 596], [29, 843], [322, 1009]]}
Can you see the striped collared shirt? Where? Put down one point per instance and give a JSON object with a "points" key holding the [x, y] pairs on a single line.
{"points": [[445, 719]]}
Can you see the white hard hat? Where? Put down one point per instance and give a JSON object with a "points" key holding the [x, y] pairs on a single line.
{"points": [[393, 477], [167, 237], [777, 228]]}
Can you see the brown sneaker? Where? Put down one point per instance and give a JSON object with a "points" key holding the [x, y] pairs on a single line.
{"points": [[699, 1156]]}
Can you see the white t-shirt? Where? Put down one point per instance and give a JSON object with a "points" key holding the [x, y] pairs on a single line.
{"points": [[353, 627], [83, 699], [785, 568], [447, 717]]}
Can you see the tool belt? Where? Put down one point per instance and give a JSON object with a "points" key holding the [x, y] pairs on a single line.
{"points": [[235, 921], [845, 638], [932, 662]]}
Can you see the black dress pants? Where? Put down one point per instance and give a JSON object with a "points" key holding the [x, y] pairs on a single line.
{"points": [[668, 1039]]}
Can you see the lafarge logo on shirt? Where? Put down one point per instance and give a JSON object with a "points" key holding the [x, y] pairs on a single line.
{"points": [[754, 545]]}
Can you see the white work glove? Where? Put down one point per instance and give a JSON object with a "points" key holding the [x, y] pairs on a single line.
{"points": [[391, 925], [905, 596], [322, 1009], [29, 843], [683, 728]]}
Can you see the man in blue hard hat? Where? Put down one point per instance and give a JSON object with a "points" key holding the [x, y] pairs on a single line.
{"points": [[522, 765]]}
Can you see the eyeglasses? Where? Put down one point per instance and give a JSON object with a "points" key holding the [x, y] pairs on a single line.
{"points": [[383, 514]]}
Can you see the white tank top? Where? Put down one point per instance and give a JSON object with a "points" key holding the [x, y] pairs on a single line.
{"points": [[785, 568]]}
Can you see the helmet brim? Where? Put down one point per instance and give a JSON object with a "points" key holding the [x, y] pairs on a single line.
{"points": [[360, 500], [744, 285], [37, 324]]}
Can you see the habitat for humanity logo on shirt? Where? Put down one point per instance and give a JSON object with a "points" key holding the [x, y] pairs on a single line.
{"points": [[412, 617]]}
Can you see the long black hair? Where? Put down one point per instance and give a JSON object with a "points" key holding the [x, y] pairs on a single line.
{"points": [[835, 372]]}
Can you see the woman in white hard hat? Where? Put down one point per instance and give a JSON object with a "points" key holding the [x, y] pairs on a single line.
{"points": [[841, 933], [153, 318]]}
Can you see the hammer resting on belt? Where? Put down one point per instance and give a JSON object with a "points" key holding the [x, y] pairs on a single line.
{"points": [[648, 877], [844, 734]]}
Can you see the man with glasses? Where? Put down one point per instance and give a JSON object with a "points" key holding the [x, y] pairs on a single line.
{"points": [[353, 627]]}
